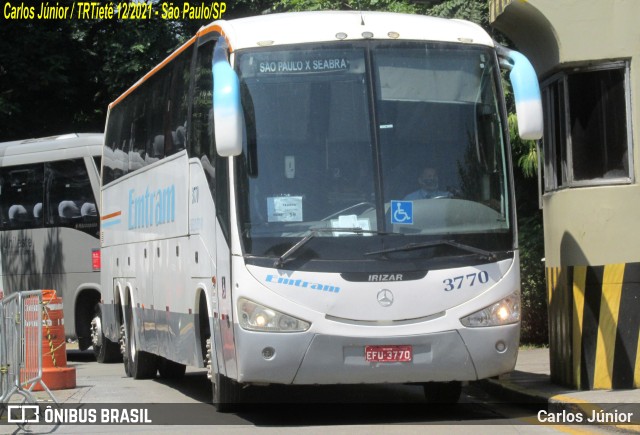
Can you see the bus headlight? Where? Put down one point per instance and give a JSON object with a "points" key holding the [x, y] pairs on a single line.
{"points": [[503, 312], [256, 317]]}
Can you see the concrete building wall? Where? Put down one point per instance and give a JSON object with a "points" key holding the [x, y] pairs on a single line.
{"points": [[586, 225], [592, 229]]}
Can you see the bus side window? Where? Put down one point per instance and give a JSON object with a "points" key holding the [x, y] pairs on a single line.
{"points": [[179, 100], [70, 199], [119, 131], [201, 142], [156, 114], [21, 191], [201, 138]]}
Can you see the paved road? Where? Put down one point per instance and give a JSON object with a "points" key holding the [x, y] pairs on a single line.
{"points": [[353, 410]]}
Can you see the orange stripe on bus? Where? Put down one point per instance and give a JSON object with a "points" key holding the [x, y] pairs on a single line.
{"points": [[201, 32], [153, 71], [214, 28], [109, 216]]}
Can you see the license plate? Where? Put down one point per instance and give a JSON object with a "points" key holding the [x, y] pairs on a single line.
{"points": [[391, 353]]}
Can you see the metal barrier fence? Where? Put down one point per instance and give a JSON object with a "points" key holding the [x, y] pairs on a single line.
{"points": [[21, 315]]}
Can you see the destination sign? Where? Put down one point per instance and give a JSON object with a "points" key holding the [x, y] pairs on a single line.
{"points": [[312, 61], [293, 66]]}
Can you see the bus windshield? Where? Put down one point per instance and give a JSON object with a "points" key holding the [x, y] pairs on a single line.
{"points": [[384, 138]]}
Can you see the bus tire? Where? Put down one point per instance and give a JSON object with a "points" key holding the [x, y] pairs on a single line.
{"points": [[226, 393], [170, 369], [123, 349], [138, 364], [105, 350], [442, 392]]}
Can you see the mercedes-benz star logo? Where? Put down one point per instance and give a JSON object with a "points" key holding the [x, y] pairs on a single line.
{"points": [[385, 297]]}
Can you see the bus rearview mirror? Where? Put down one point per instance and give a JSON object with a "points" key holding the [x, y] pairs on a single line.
{"points": [[526, 92], [227, 109]]}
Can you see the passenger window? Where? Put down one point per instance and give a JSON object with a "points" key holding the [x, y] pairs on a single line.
{"points": [[118, 134], [202, 144], [202, 140], [179, 99], [21, 196], [69, 196]]}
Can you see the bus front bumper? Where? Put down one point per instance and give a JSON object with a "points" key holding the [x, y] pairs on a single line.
{"points": [[459, 355]]}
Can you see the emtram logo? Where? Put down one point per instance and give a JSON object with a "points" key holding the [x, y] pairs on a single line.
{"points": [[301, 283], [151, 207]]}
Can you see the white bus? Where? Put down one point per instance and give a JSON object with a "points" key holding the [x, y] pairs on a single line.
{"points": [[258, 215], [49, 225]]}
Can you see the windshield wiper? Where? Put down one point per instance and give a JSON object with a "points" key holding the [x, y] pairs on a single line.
{"points": [[314, 232], [412, 246]]}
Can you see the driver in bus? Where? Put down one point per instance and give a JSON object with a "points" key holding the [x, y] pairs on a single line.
{"points": [[429, 186]]}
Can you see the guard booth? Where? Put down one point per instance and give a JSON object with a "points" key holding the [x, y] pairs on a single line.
{"points": [[586, 55]]}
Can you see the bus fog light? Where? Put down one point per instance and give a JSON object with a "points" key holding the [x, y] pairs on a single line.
{"points": [[256, 317], [268, 353], [501, 347], [504, 312]]}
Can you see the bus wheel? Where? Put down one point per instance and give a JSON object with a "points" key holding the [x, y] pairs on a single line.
{"points": [[138, 364], [226, 392], [442, 392], [170, 369], [123, 350], [105, 350]]}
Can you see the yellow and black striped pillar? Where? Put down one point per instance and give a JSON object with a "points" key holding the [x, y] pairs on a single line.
{"points": [[594, 321]]}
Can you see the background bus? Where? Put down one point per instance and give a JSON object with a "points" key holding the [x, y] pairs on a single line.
{"points": [[257, 218], [49, 224]]}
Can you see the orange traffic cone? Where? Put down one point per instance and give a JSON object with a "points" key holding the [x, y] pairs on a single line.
{"points": [[55, 373]]}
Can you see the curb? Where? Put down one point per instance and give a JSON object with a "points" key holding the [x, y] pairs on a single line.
{"points": [[553, 402], [512, 392]]}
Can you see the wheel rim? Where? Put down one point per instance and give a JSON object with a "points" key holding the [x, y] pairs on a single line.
{"points": [[208, 359], [122, 341], [210, 372], [96, 332], [132, 345]]}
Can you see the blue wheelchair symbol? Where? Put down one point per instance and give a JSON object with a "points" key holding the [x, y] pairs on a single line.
{"points": [[402, 212]]}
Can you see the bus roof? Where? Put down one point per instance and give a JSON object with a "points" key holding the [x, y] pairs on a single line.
{"points": [[50, 148], [322, 26]]}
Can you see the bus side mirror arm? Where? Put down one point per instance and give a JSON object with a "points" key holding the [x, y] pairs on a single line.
{"points": [[227, 110], [526, 92]]}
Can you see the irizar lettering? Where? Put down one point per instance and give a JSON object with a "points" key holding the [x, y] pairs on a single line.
{"points": [[384, 277], [151, 208], [301, 283]]}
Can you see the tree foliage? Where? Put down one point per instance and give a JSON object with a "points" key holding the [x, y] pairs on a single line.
{"points": [[533, 295], [476, 11], [525, 152], [404, 6], [58, 76], [531, 238]]}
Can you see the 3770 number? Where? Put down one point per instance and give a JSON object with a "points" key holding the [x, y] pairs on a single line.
{"points": [[469, 280]]}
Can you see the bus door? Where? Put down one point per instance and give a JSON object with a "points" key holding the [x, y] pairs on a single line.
{"points": [[212, 260], [215, 170], [224, 321]]}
